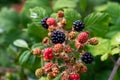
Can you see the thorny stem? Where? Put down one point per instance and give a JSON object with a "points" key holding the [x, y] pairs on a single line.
{"points": [[8, 70], [116, 66], [51, 4], [112, 59]]}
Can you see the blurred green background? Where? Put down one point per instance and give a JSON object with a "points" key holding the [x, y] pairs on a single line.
{"points": [[15, 15]]}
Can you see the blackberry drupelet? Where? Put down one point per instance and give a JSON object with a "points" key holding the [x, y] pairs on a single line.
{"points": [[43, 23], [57, 37], [78, 25], [87, 58]]}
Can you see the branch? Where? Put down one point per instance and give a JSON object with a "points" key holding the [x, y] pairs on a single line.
{"points": [[3, 69], [117, 64]]}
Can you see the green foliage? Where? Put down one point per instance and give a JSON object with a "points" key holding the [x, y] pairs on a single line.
{"points": [[61, 4], [97, 22], [103, 47], [38, 13], [71, 16], [37, 32], [35, 3], [114, 13], [8, 19], [21, 43]]}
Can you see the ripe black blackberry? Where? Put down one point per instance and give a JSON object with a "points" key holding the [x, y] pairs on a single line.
{"points": [[57, 37], [87, 58], [78, 25], [43, 22]]}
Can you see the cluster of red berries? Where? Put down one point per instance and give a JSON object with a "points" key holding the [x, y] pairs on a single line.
{"points": [[59, 38]]}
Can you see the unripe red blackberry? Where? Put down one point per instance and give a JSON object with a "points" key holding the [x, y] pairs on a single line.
{"points": [[83, 69], [78, 25], [39, 72], [83, 37], [51, 22], [67, 49], [74, 76], [48, 67], [93, 41], [76, 67], [65, 76], [43, 23], [48, 54], [37, 52], [57, 48], [87, 58], [57, 37], [79, 45]]}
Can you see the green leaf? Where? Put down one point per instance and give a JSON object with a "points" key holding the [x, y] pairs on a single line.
{"points": [[37, 32], [104, 57], [116, 39], [38, 45], [20, 43], [9, 19], [101, 8], [58, 77], [36, 3], [114, 13], [29, 61], [71, 16], [38, 13], [97, 18], [97, 22], [24, 57], [103, 47], [60, 4], [115, 51]]}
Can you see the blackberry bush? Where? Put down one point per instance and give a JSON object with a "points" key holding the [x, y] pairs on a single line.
{"points": [[59, 39]]}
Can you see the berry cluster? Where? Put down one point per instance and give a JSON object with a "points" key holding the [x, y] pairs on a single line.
{"points": [[60, 49]]}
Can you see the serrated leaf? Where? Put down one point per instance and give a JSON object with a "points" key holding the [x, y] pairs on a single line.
{"points": [[104, 57], [37, 32], [114, 13], [60, 4], [36, 3], [37, 14], [97, 18], [103, 47], [24, 57], [9, 19], [101, 8], [116, 39], [115, 51], [20, 43], [97, 22], [71, 16]]}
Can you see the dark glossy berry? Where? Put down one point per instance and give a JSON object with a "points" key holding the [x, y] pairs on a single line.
{"points": [[78, 25], [87, 58], [57, 37], [43, 23]]}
